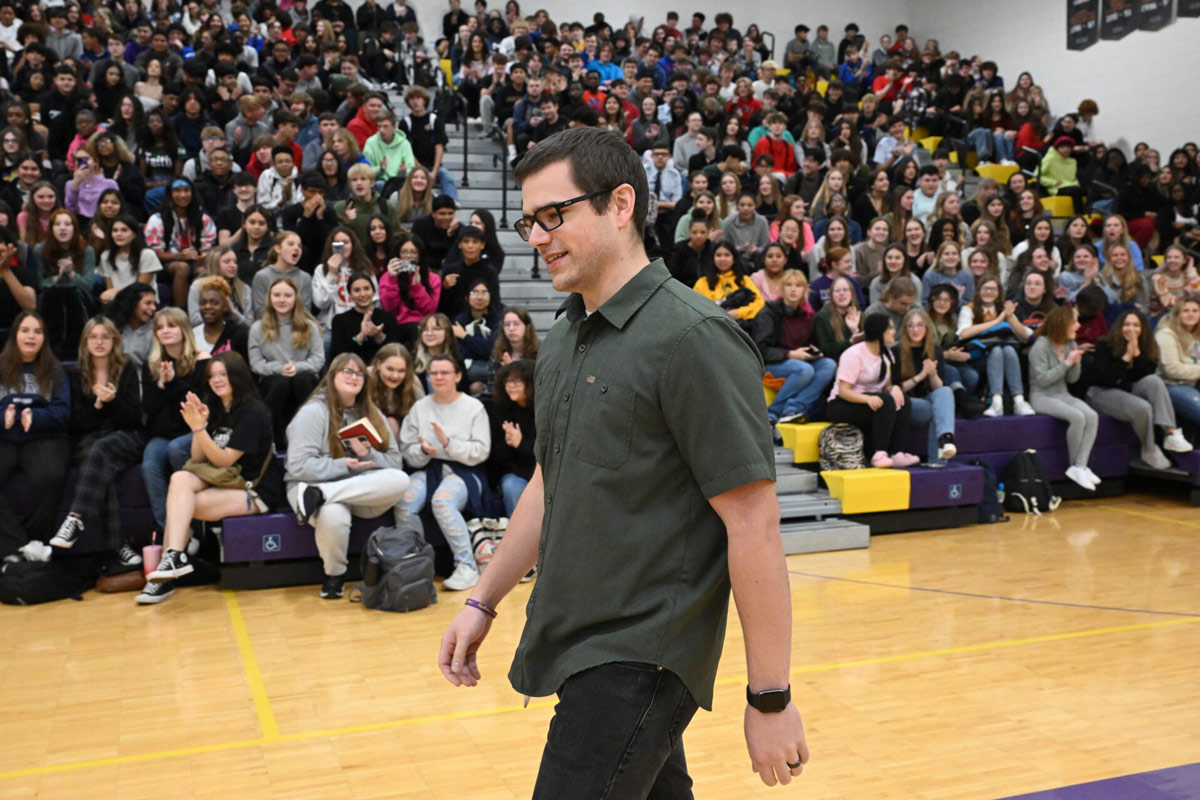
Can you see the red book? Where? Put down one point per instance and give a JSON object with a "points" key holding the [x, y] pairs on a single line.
{"points": [[362, 429]]}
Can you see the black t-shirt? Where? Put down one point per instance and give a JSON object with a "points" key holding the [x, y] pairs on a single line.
{"points": [[423, 137], [248, 429]]}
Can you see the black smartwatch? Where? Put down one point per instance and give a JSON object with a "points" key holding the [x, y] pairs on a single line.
{"points": [[772, 701]]}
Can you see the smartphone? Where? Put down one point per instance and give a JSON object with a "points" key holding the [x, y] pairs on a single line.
{"points": [[339, 248]]}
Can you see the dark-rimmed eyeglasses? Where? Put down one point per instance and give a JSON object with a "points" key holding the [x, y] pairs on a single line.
{"points": [[550, 217]]}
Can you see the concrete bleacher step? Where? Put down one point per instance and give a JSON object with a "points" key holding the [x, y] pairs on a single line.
{"points": [[784, 455], [523, 286], [820, 536], [490, 199], [790, 480]]}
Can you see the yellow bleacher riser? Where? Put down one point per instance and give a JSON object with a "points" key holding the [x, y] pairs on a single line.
{"points": [[1000, 173], [866, 491], [1059, 207], [801, 439], [447, 67], [930, 143]]}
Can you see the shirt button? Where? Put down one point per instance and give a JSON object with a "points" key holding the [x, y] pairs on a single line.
{"points": [[558, 448], [582, 347], [549, 499], [567, 397], [603, 388]]}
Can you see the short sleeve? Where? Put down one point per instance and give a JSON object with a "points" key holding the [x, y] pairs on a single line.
{"points": [[249, 428], [725, 439], [849, 367]]}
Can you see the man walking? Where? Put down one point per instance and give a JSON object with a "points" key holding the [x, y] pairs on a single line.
{"points": [[641, 514]]}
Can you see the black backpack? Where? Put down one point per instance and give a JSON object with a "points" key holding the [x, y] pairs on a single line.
{"points": [[397, 567], [28, 583], [840, 446], [1026, 487], [989, 508]]}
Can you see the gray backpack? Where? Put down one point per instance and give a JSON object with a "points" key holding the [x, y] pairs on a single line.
{"points": [[840, 446], [397, 567]]}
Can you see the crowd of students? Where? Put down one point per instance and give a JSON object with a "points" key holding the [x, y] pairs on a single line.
{"points": [[249, 169]]}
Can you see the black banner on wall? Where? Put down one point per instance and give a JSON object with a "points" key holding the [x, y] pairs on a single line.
{"points": [[1083, 23], [1118, 18], [1188, 8], [1155, 14]]}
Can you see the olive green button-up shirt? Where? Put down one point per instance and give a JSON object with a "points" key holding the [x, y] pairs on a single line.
{"points": [[645, 409]]}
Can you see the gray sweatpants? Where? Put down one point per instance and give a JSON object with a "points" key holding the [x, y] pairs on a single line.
{"points": [[1147, 405], [1081, 420], [367, 494]]}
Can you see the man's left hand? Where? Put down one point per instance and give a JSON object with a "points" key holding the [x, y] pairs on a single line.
{"points": [[776, 740]]}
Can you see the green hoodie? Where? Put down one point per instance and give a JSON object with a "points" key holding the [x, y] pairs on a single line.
{"points": [[399, 155]]}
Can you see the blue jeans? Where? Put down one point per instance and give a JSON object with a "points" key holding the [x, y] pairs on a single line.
{"points": [[1186, 400], [445, 183], [447, 504], [617, 732], [160, 459], [511, 486], [1003, 368], [980, 140], [936, 411], [153, 199], [961, 375], [804, 384]]}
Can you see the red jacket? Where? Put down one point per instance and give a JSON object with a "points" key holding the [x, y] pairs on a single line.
{"points": [[361, 127], [781, 150]]}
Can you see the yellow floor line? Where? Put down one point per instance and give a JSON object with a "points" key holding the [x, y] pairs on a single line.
{"points": [[267, 717], [258, 690], [1155, 517]]}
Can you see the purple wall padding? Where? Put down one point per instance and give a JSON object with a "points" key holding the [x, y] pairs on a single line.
{"points": [[1039, 432], [952, 485], [1189, 462], [267, 537], [1107, 461]]}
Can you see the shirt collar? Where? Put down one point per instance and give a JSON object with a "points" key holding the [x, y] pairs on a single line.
{"points": [[621, 307]]}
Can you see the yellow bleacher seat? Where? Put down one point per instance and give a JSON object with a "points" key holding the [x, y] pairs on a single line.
{"points": [[1157, 260], [801, 439], [930, 143], [1000, 173], [822, 86], [447, 67], [920, 133], [865, 491], [972, 158], [769, 395], [1059, 207]]}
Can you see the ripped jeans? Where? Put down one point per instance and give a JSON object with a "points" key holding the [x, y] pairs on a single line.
{"points": [[447, 505]]}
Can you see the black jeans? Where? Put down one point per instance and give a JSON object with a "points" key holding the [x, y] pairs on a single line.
{"points": [[617, 734], [44, 461], [884, 429], [284, 396]]}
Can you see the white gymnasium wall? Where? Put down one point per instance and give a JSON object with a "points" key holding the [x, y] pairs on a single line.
{"points": [[1135, 81], [778, 16]]}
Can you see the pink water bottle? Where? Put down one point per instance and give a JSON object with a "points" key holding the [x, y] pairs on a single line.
{"points": [[151, 554]]}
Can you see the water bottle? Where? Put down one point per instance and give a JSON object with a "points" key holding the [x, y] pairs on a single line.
{"points": [[1000, 493]]}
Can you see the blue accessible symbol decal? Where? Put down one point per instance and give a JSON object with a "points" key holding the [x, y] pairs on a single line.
{"points": [[272, 543], [956, 491]]}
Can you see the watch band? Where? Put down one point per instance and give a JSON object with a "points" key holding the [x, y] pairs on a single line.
{"points": [[771, 701]]}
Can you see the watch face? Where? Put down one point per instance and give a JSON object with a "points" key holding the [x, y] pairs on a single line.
{"points": [[770, 701]]}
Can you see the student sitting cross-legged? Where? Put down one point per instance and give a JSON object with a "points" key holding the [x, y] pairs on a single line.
{"points": [[329, 480], [231, 473]]}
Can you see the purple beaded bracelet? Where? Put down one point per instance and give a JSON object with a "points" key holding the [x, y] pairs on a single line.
{"points": [[484, 607]]}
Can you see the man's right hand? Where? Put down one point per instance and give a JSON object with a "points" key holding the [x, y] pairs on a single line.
{"points": [[456, 659]]}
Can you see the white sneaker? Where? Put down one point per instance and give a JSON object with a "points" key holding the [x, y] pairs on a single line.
{"points": [[1022, 408], [947, 451], [1079, 475], [465, 576], [1093, 477], [996, 409], [1176, 442], [36, 550], [1155, 458]]}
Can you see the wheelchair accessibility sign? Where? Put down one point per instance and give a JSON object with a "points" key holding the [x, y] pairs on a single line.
{"points": [[272, 543], [956, 491]]}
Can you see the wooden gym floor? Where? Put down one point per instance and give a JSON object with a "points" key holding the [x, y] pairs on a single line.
{"points": [[979, 662]]}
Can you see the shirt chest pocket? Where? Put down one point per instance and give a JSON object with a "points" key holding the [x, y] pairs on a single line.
{"points": [[602, 423]]}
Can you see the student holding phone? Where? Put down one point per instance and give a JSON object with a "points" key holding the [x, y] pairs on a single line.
{"points": [[784, 334]]}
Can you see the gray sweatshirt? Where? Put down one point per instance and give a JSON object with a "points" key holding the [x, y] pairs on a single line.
{"points": [[268, 275], [465, 422], [737, 232], [268, 358], [1048, 376], [245, 315], [308, 457]]}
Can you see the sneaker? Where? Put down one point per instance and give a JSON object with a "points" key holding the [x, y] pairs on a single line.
{"points": [[905, 460], [881, 460], [128, 556], [946, 447], [1093, 477], [36, 550], [485, 547], [1079, 476], [1022, 408], [529, 575], [465, 576], [799, 417], [154, 593], [776, 436], [1175, 442], [1153, 457], [333, 587], [174, 564], [996, 409], [309, 500], [70, 530]]}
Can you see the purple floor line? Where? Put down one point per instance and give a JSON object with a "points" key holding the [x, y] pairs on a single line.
{"points": [[1173, 783], [993, 596]]}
